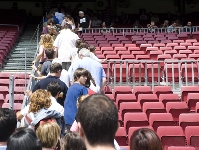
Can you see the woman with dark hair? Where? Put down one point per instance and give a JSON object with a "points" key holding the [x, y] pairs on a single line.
{"points": [[72, 141], [145, 139], [24, 139], [74, 91]]}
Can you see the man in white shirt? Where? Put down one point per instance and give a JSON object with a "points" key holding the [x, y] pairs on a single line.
{"points": [[8, 123], [64, 42], [54, 88]]}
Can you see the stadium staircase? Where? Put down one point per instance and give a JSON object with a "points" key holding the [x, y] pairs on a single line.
{"points": [[26, 46]]}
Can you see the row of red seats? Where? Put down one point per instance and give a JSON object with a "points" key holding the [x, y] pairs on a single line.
{"points": [[184, 91], [169, 135], [140, 72]]}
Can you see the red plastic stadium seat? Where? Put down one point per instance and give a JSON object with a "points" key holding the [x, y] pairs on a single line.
{"points": [[111, 96], [192, 99], [129, 107], [171, 136], [162, 90], [122, 98], [181, 148], [164, 98], [153, 107], [122, 90], [142, 98], [192, 135], [188, 89], [135, 120], [154, 54], [17, 106], [120, 136], [188, 119], [160, 119], [142, 90], [177, 108]]}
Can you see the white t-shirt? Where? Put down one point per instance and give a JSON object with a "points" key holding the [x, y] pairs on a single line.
{"points": [[65, 41], [95, 57], [74, 53], [54, 106], [65, 77]]}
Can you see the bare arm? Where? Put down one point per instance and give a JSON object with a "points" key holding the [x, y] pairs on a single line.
{"points": [[40, 54], [19, 115], [56, 52], [103, 84]]}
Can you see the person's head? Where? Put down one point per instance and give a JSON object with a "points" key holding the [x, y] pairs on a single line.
{"points": [[8, 123], [166, 22], [47, 41], [56, 68], [68, 18], [84, 53], [81, 13], [97, 119], [174, 24], [50, 21], [103, 24], [92, 49], [80, 99], [50, 53], [24, 139], [152, 23], [189, 23], [48, 133], [67, 26], [145, 139], [81, 75], [78, 42], [83, 44], [54, 88], [38, 100], [72, 141]]}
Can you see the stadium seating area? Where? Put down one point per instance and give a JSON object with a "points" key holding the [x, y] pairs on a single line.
{"points": [[173, 118], [19, 88], [11, 25], [146, 46]]}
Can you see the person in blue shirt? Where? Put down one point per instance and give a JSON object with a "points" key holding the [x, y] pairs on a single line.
{"points": [[78, 88]]}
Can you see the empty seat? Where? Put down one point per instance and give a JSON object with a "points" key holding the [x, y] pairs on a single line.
{"points": [[192, 99], [191, 74], [147, 98], [188, 119], [136, 72], [125, 98], [153, 107], [160, 119], [142, 90], [179, 56], [111, 96], [192, 135], [164, 98], [122, 90], [135, 120], [181, 148], [154, 72], [176, 108], [17, 106], [171, 136], [120, 136], [188, 89], [162, 90], [126, 107]]}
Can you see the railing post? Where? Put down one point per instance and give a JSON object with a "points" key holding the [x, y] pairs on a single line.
{"points": [[11, 92], [37, 37]]}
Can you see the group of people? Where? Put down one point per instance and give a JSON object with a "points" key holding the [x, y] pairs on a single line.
{"points": [[95, 126]]}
